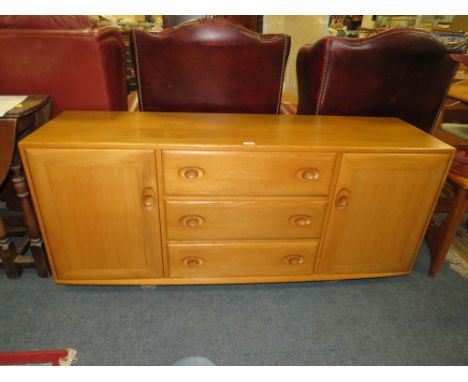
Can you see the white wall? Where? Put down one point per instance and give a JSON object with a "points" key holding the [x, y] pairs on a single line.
{"points": [[303, 30]]}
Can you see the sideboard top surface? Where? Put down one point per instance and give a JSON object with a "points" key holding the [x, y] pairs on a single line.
{"points": [[76, 129]]}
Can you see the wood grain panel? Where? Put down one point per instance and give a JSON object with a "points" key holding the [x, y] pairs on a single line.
{"points": [[382, 205], [261, 219], [100, 212], [246, 173], [228, 192], [239, 131], [233, 279], [241, 259]]}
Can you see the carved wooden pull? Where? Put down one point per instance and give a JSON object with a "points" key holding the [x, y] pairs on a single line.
{"points": [[308, 174], [294, 259], [192, 221], [191, 173], [193, 262], [148, 197], [342, 199], [300, 220]]}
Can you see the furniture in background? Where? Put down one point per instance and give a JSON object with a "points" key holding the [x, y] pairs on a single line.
{"points": [[440, 237], [453, 116], [198, 198], [15, 125], [81, 66], [209, 66], [129, 66], [288, 103], [457, 128], [171, 21], [453, 130], [403, 73], [254, 23]]}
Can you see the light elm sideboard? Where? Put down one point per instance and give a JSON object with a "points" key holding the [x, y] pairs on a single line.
{"points": [[188, 198]]}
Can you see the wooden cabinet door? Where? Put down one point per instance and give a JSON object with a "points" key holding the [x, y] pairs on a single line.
{"points": [[382, 204], [100, 212]]}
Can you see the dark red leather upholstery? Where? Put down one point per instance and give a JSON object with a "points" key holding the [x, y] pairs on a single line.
{"points": [[46, 22], [403, 73], [81, 66], [210, 66]]}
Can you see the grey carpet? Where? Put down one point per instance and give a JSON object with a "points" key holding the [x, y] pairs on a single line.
{"points": [[412, 320]]}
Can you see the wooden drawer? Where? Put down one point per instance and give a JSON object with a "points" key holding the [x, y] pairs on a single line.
{"points": [[263, 219], [242, 259], [246, 173]]}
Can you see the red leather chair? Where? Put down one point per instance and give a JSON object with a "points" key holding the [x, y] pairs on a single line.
{"points": [[209, 66], [81, 66], [403, 73]]}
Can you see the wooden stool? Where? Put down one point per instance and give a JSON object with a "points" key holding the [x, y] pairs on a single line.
{"points": [[440, 238], [15, 125]]}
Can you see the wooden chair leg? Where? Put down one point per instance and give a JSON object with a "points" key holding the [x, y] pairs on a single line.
{"points": [[8, 253], [30, 221], [441, 238]]}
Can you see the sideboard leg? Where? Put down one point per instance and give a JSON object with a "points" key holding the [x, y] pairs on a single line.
{"points": [[8, 253], [22, 192]]}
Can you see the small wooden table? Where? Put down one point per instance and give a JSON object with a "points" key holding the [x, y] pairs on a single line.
{"points": [[15, 125]]}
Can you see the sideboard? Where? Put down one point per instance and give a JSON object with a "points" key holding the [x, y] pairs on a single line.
{"points": [[193, 198]]}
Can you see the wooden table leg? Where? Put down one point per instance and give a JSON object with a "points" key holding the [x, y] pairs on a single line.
{"points": [[8, 253], [30, 221], [441, 238]]}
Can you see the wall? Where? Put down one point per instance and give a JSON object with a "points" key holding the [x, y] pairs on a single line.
{"points": [[303, 30]]}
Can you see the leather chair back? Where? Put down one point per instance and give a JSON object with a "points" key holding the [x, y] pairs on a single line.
{"points": [[403, 73], [209, 66], [81, 66]]}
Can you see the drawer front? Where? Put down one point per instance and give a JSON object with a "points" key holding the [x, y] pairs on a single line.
{"points": [[246, 173], [242, 259], [221, 220]]}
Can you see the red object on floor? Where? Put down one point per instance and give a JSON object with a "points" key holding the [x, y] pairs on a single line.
{"points": [[63, 357]]}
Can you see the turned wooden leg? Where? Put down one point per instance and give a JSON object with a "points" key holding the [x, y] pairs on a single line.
{"points": [[30, 221], [8, 253], [441, 238]]}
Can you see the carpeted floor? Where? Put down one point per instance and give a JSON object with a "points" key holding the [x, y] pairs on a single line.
{"points": [[412, 320], [457, 255]]}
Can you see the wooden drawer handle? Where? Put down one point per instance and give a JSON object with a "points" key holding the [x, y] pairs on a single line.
{"points": [[191, 173], [193, 262], [192, 221], [342, 199], [300, 220], [148, 197], [294, 259], [308, 174]]}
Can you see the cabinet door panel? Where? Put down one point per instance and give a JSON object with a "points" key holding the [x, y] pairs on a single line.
{"points": [[382, 205], [99, 210]]}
